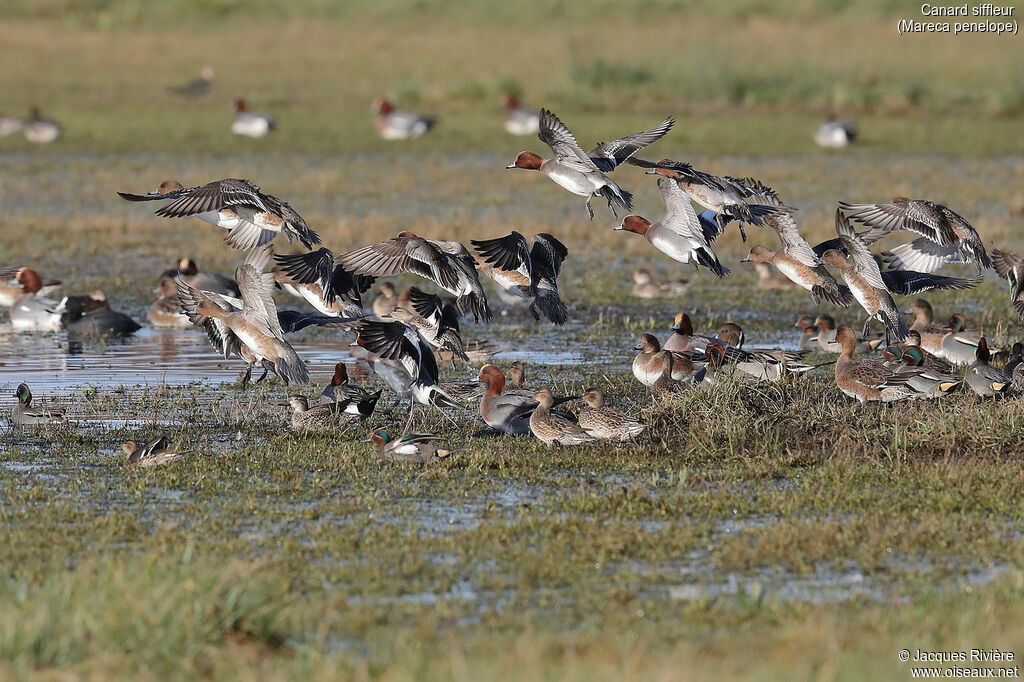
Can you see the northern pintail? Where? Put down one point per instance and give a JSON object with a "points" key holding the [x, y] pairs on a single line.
{"points": [[448, 264], [680, 234], [393, 124], [339, 388], [946, 237], [529, 272], [151, 454], [583, 173], [25, 414], [251, 217], [250, 123], [40, 129]]}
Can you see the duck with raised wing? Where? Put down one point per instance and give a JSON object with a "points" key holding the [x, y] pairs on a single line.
{"points": [[41, 129], [435, 320], [448, 264], [584, 173], [869, 380], [420, 448], [250, 123], [945, 236], [605, 423], [251, 217], [153, 453], [984, 379], [518, 119], [1011, 266], [253, 326], [860, 270], [681, 234], [554, 429], [647, 369], [314, 278], [528, 272], [393, 124], [26, 414]]}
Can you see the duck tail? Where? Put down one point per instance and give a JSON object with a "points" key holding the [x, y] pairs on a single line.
{"points": [[438, 398], [616, 195], [292, 370], [707, 258], [895, 324]]}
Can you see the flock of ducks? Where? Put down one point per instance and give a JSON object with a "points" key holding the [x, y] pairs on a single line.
{"points": [[408, 334]]}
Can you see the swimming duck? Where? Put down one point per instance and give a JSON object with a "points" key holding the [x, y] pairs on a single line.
{"points": [[30, 311], [91, 316], [681, 234], [153, 453], [11, 290], [835, 132], [412, 447], [25, 414], [605, 423], [448, 264], [166, 311], [393, 124], [250, 123], [946, 237], [251, 217], [869, 380], [554, 429], [983, 378], [583, 173], [530, 272]]}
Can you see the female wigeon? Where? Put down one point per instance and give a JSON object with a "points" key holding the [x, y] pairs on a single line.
{"points": [[645, 286], [40, 129], [835, 133], [448, 264], [419, 448], [605, 423], [518, 119], [393, 124], [983, 378], [254, 330], [946, 237], [553, 429], [1011, 267], [250, 123], [166, 311], [151, 454], [527, 272], [25, 414], [30, 311], [680, 234], [251, 217], [860, 270], [583, 173], [868, 380], [647, 370], [11, 290]]}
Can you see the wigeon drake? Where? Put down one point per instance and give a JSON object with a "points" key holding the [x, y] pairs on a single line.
{"points": [[251, 217], [554, 429], [983, 378], [835, 133], [25, 414], [393, 124], [250, 123], [645, 286], [744, 200], [448, 264], [11, 290], [604, 423], [530, 272], [30, 311], [40, 129], [862, 275], [435, 320], [946, 237], [153, 453], [196, 87], [680, 234], [252, 330], [419, 448], [314, 278], [507, 409], [518, 119], [869, 380], [647, 369], [583, 173], [1011, 267]]}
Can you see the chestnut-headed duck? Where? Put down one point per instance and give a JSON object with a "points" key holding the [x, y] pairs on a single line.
{"points": [[518, 119], [251, 217], [504, 407], [647, 369], [605, 423], [250, 123], [448, 264], [583, 173], [945, 236], [11, 290], [393, 124], [529, 272], [30, 311]]}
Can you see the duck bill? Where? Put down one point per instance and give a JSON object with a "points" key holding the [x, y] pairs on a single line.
{"points": [[510, 166]]}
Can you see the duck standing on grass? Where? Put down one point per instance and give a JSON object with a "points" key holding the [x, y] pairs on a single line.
{"points": [[605, 423], [869, 380], [553, 429], [984, 379]]}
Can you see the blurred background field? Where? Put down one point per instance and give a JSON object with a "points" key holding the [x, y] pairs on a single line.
{"points": [[721, 550]]}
